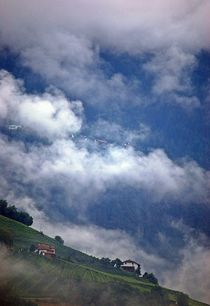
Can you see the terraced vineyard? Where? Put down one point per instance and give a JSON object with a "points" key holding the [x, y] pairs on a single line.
{"points": [[41, 269], [35, 276]]}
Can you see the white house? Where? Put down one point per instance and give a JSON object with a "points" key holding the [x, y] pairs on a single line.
{"points": [[131, 266]]}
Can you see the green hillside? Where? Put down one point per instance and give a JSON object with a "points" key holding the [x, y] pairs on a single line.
{"points": [[42, 277]]}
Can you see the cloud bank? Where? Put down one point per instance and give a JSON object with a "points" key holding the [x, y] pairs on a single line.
{"points": [[64, 44], [62, 163]]}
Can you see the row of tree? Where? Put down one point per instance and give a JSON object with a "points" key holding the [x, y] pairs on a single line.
{"points": [[13, 213], [117, 264]]}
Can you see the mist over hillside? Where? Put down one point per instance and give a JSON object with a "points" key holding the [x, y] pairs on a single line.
{"points": [[104, 129], [31, 274]]}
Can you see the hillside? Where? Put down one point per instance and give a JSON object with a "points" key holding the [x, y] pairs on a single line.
{"points": [[75, 273]]}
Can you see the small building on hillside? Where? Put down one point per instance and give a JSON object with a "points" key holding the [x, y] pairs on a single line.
{"points": [[45, 249], [131, 266]]}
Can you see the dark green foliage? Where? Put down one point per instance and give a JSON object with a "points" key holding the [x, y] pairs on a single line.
{"points": [[12, 213], [117, 263], [25, 218], [138, 270], [32, 248], [6, 237], [151, 278], [3, 207], [105, 261], [59, 239], [182, 299]]}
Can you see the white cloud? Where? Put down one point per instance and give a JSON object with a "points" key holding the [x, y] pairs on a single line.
{"points": [[62, 163], [49, 115], [113, 132], [192, 275], [189, 103], [132, 26], [63, 43], [171, 70]]}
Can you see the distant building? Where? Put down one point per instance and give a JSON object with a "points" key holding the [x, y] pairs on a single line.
{"points": [[131, 266], [45, 250]]}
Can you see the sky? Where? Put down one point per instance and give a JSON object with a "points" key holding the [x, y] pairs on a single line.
{"points": [[105, 125]]}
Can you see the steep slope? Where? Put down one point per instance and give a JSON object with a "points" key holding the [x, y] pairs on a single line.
{"points": [[34, 276]]}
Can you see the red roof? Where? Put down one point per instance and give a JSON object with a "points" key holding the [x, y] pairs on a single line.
{"points": [[44, 246], [131, 261]]}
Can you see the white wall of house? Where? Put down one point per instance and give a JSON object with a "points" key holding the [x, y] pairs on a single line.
{"points": [[129, 264]]}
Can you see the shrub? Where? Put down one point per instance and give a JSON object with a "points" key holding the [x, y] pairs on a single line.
{"points": [[182, 299], [59, 239], [151, 278]]}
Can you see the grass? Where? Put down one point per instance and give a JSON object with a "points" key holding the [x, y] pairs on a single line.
{"points": [[24, 236], [44, 275]]}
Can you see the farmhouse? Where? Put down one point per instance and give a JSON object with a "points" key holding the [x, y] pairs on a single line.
{"points": [[131, 266], [45, 249]]}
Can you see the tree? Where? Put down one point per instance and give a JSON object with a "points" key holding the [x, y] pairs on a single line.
{"points": [[105, 261], [32, 248], [12, 213], [25, 218], [3, 207], [138, 270], [59, 239], [117, 263], [182, 299], [151, 278]]}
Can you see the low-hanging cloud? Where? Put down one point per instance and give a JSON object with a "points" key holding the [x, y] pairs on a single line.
{"points": [[192, 274], [189, 275]]}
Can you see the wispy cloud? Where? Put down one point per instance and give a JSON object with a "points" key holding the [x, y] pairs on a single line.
{"points": [[117, 134], [192, 275]]}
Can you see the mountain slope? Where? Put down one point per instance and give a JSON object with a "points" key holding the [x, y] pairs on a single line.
{"points": [[42, 277]]}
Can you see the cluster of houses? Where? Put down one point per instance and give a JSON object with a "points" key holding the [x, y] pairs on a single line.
{"points": [[49, 251]]}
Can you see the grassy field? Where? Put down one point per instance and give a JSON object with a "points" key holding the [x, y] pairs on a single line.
{"points": [[43, 277]]}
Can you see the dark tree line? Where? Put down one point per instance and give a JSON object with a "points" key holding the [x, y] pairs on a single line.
{"points": [[12, 213]]}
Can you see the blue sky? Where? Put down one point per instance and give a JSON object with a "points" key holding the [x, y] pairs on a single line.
{"points": [[110, 108]]}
